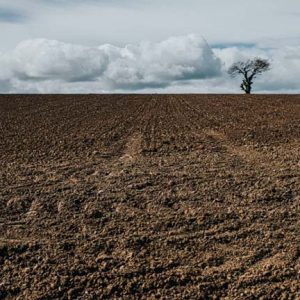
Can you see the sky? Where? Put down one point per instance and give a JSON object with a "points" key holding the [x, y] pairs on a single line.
{"points": [[107, 46]]}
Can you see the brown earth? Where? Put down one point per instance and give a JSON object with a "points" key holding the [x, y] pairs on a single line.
{"points": [[150, 197]]}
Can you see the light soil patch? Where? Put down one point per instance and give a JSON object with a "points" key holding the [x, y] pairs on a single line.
{"points": [[247, 153], [132, 148], [216, 134]]}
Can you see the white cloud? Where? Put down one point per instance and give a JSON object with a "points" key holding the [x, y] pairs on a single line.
{"points": [[158, 64], [35, 62], [43, 59], [178, 64]]}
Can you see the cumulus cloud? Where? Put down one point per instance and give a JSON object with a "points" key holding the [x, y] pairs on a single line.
{"points": [[131, 67], [178, 64], [159, 64], [43, 59]]}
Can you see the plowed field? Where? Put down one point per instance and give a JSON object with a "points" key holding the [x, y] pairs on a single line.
{"points": [[149, 197]]}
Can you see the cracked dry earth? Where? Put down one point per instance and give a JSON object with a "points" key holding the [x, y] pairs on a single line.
{"points": [[149, 197]]}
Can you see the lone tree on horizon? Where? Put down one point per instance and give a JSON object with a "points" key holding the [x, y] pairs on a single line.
{"points": [[249, 70]]}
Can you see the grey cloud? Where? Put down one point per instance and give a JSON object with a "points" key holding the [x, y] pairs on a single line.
{"points": [[12, 16], [129, 21], [6, 86]]}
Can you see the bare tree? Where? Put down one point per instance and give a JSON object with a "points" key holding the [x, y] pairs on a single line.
{"points": [[249, 70]]}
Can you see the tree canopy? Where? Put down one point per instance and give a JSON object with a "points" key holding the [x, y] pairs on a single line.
{"points": [[249, 69]]}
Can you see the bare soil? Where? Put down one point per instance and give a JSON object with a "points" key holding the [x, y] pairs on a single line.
{"points": [[150, 197]]}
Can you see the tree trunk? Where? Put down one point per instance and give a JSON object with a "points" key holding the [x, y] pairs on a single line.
{"points": [[248, 89], [246, 86]]}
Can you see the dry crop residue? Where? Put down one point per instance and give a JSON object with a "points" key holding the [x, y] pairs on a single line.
{"points": [[149, 196]]}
